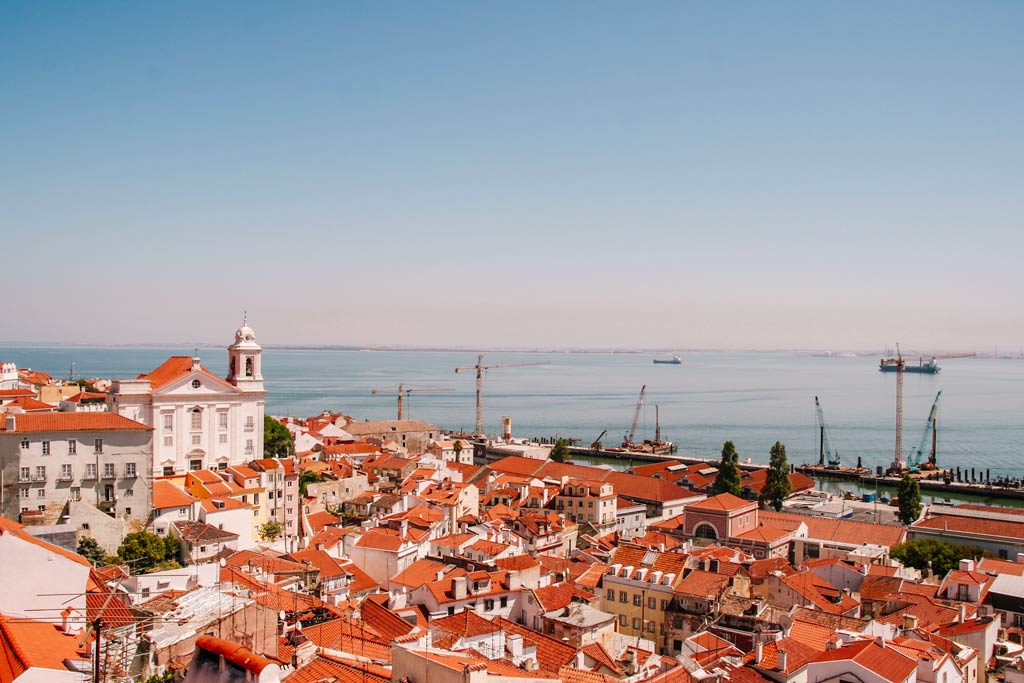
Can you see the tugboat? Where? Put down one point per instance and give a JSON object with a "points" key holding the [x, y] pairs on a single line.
{"points": [[675, 360]]}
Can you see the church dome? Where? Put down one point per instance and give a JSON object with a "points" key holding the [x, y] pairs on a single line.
{"points": [[244, 333]]}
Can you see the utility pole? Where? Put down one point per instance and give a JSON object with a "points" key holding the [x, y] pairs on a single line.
{"points": [[96, 626]]}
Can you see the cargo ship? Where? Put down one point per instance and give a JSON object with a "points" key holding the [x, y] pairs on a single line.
{"points": [[675, 360], [927, 366]]}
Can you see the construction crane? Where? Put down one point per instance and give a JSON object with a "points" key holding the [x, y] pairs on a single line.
{"points": [[627, 442], [931, 428], [596, 443], [480, 368], [926, 364], [403, 389], [826, 449]]}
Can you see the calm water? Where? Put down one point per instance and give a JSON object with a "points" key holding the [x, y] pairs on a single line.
{"points": [[753, 399]]}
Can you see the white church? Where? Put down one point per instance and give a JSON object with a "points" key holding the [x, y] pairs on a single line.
{"points": [[199, 420]]}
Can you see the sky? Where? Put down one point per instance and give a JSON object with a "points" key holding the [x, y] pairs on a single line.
{"points": [[827, 175]]}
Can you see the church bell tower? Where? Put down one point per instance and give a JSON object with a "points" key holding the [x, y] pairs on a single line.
{"points": [[244, 360]]}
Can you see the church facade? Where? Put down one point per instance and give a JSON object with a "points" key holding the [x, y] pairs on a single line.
{"points": [[199, 420]]}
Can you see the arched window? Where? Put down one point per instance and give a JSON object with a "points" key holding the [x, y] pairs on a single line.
{"points": [[248, 367], [197, 418], [707, 531]]}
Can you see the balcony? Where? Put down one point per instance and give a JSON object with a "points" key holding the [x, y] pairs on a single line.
{"points": [[65, 477], [39, 477], [109, 475], [89, 474], [130, 474]]}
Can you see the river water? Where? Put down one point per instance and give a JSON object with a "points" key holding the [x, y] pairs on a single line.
{"points": [[751, 398]]}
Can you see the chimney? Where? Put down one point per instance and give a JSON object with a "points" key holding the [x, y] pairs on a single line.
{"points": [[909, 622], [961, 615], [759, 650], [64, 617], [967, 565], [459, 587], [11, 423], [514, 582], [195, 363], [514, 643], [781, 666], [880, 641], [832, 644]]}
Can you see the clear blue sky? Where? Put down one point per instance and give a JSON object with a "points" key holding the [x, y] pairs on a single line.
{"points": [[768, 174]]}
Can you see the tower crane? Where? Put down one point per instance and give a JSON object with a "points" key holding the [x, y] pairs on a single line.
{"points": [[403, 389], [826, 449], [480, 368], [628, 441], [931, 428], [925, 364]]}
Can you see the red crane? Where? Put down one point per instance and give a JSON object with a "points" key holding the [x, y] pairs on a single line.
{"points": [[480, 367], [628, 441]]}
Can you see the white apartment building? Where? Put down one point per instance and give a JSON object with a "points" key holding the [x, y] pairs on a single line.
{"points": [[199, 420], [51, 458]]}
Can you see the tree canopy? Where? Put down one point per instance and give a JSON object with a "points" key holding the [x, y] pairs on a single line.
{"points": [[943, 556], [143, 552], [306, 478], [777, 485], [278, 442], [909, 493], [728, 479], [271, 530], [560, 452], [91, 550]]}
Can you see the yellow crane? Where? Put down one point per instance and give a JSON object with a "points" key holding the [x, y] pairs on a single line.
{"points": [[480, 368], [406, 390]]}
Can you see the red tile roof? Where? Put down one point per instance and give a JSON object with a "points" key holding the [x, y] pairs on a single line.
{"points": [[174, 368], [552, 654], [167, 495], [72, 422], [466, 623], [335, 670], [11, 527], [838, 530], [722, 502], [382, 620], [27, 644], [886, 662]]}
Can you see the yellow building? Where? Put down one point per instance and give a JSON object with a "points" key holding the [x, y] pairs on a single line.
{"points": [[638, 588]]}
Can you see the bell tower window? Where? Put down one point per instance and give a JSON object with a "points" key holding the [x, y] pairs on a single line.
{"points": [[248, 366]]}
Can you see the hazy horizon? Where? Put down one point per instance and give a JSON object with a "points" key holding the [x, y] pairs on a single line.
{"points": [[806, 176]]}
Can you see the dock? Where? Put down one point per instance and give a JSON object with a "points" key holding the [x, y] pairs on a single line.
{"points": [[940, 480], [643, 456]]}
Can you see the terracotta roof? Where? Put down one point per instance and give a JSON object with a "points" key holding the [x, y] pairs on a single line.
{"points": [[632, 556], [217, 503], [702, 584], [797, 654], [197, 532], [264, 562], [991, 565], [319, 520], [423, 571], [27, 403], [379, 541], [325, 669], [838, 530], [382, 620], [834, 621], [26, 423], [722, 502], [517, 562], [597, 652], [345, 635], [552, 654], [167, 495], [26, 644], [466, 623], [886, 662], [763, 533], [174, 368], [558, 595]]}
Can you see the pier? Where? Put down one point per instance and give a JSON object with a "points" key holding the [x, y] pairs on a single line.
{"points": [[941, 480]]}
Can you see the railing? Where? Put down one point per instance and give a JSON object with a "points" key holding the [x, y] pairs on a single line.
{"points": [[38, 477], [24, 478], [65, 477], [89, 474], [109, 475]]}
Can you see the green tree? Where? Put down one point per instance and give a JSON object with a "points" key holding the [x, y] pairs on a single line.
{"points": [[940, 556], [278, 442], [306, 478], [728, 479], [777, 485], [457, 447], [91, 550], [909, 493], [271, 530], [560, 452], [143, 551]]}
